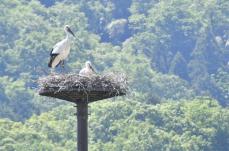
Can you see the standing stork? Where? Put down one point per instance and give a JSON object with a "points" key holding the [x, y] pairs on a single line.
{"points": [[61, 50]]}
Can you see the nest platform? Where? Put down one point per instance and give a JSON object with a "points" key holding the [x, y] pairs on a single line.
{"points": [[75, 88]]}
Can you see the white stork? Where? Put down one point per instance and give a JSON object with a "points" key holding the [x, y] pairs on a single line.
{"points": [[88, 70], [61, 50]]}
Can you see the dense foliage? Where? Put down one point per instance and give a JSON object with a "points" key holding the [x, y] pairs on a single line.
{"points": [[175, 54], [125, 125]]}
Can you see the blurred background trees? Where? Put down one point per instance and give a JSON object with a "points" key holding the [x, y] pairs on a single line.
{"points": [[175, 54]]}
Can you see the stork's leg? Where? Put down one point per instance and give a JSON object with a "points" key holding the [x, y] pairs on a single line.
{"points": [[52, 71], [62, 64]]}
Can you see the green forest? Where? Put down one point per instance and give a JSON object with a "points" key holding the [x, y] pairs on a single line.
{"points": [[175, 54]]}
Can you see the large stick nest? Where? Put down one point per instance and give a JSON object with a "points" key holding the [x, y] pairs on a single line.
{"points": [[93, 88]]}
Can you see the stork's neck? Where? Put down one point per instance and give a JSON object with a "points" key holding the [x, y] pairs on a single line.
{"points": [[67, 35], [88, 66]]}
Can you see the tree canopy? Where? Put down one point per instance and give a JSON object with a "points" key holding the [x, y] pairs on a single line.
{"points": [[175, 54]]}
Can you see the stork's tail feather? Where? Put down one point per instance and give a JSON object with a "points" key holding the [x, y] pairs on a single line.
{"points": [[50, 63], [53, 56]]}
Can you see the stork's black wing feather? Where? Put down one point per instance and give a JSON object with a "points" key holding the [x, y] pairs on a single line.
{"points": [[52, 57], [51, 52]]}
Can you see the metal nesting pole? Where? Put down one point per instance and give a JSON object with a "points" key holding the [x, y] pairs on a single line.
{"points": [[82, 126], [51, 87]]}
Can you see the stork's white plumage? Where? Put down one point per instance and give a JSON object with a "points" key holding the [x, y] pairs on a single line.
{"points": [[61, 50], [87, 70]]}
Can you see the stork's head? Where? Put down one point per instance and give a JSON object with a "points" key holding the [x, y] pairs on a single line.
{"points": [[88, 64], [68, 30]]}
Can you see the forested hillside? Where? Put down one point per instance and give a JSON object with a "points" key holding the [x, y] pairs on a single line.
{"points": [[175, 54]]}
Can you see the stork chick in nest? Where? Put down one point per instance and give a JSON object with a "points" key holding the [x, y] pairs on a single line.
{"points": [[88, 70]]}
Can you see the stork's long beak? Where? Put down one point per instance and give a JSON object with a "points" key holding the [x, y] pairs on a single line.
{"points": [[70, 31]]}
